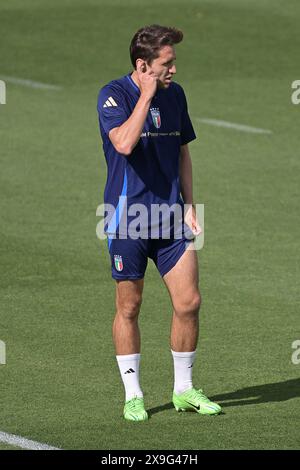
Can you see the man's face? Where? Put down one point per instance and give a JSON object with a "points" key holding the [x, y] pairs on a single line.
{"points": [[163, 66]]}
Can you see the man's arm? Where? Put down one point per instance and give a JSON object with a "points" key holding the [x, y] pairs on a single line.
{"points": [[186, 187], [125, 137], [186, 174]]}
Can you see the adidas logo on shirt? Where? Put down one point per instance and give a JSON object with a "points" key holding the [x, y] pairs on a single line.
{"points": [[109, 102]]}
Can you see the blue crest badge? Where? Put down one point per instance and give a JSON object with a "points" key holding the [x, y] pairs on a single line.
{"points": [[156, 117]]}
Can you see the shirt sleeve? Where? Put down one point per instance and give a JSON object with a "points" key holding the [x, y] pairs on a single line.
{"points": [[111, 108], [187, 131]]}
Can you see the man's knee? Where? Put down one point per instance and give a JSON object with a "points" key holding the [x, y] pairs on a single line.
{"points": [[129, 308], [188, 305]]}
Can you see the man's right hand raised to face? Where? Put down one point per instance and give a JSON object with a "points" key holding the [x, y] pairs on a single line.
{"points": [[148, 81]]}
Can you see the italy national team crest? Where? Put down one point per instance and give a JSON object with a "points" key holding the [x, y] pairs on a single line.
{"points": [[156, 117], [118, 262]]}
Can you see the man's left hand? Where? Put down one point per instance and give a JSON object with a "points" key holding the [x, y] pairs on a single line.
{"points": [[191, 220]]}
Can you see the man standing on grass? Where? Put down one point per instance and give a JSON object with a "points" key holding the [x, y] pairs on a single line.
{"points": [[145, 128]]}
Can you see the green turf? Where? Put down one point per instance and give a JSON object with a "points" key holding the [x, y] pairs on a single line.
{"points": [[8, 447], [61, 385]]}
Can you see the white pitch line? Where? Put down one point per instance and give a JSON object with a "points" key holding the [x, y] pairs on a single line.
{"points": [[232, 125], [19, 441], [29, 83]]}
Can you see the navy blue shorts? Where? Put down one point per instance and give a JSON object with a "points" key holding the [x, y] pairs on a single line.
{"points": [[129, 257]]}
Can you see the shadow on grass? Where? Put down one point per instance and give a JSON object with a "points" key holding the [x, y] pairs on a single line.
{"points": [[158, 409], [273, 392]]}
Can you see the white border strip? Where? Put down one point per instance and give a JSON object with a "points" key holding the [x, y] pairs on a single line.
{"points": [[29, 83], [19, 441], [232, 125]]}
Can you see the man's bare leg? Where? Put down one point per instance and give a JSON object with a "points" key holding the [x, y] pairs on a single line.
{"points": [[182, 283], [127, 342], [126, 332]]}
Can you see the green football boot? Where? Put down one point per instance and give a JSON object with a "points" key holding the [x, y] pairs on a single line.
{"points": [[195, 400], [134, 410]]}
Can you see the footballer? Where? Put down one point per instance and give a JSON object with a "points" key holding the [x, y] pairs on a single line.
{"points": [[145, 129]]}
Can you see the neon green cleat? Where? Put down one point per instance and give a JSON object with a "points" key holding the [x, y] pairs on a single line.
{"points": [[195, 400], [134, 410]]}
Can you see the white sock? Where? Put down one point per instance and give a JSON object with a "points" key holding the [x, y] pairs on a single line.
{"points": [[183, 368], [129, 366]]}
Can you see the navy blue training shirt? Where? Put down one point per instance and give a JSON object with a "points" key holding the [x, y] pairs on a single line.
{"points": [[150, 174]]}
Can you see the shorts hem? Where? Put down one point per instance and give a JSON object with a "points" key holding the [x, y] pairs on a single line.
{"points": [[186, 243], [129, 277]]}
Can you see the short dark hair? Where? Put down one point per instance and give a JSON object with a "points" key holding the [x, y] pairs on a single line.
{"points": [[148, 40]]}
